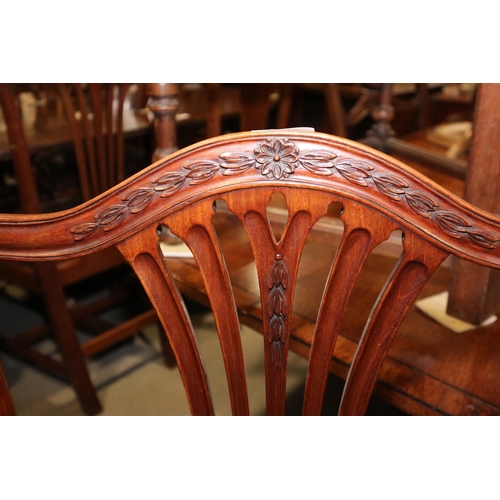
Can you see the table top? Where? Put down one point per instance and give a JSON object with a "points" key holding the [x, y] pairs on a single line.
{"points": [[429, 370]]}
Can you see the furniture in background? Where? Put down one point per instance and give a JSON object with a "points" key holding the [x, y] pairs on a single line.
{"points": [[239, 174], [475, 291], [432, 109], [95, 126], [198, 111]]}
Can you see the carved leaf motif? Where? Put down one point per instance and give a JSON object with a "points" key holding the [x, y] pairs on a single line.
{"points": [[318, 162], [278, 169], [277, 303], [276, 329], [452, 224], [83, 230], [201, 170], [169, 184], [139, 200], [236, 163], [276, 354], [420, 203], [354, 171], [112, 216], [485, 240], [279, 276], [392, 187]]}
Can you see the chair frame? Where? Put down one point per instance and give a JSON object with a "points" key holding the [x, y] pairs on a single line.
{"points": [[98, 137], [311, 170]]}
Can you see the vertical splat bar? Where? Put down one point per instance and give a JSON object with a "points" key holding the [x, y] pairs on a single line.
{"points": [[358, 241], [165, 297], [110, 136], [98, 94], [196, 229], [87, 140], [86, 183], [415, 266], [6, 403], [277, 267], [119, 169]]}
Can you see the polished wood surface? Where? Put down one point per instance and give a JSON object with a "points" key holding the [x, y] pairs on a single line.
{"points": [[95, 119], [164, 103], [429, 370], [6, 404], [474, 291], [314, 174], [45, 123]]}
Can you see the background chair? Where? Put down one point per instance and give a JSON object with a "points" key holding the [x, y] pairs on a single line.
{"points": [[311, 171], [95, 160], [6, 403]]}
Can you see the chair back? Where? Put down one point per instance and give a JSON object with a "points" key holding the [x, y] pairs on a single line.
{"points": [[6, 404], [95, 116], [184, 191]]}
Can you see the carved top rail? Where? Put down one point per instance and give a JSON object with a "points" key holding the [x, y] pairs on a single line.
{"points": [[266, 158]]}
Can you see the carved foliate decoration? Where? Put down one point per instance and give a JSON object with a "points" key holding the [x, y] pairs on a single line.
{"points": [[279, 158], [277, 308]]}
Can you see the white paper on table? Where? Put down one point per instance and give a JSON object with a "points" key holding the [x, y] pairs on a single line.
{"points": [[435, 307]]}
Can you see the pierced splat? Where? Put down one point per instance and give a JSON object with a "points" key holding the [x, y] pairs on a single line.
{"points": [[277, 266], [379, 196], [277, 214], [361, 235]]}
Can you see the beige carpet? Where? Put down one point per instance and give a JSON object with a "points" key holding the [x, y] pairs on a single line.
{"points": [[133, 380]]}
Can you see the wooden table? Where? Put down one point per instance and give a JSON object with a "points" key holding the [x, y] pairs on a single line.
{"points": [[46, 126], [429, 370]]}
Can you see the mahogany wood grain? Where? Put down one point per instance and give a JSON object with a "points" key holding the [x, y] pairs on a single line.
{"points": [[269, 288], [27, 189], [164, 103], [95, 121], [46, 126], [429, 370], [6, 404], [475, 291]]}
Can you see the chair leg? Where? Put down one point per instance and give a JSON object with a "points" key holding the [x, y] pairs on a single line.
{"points": [[6, 404], [62, 326]]}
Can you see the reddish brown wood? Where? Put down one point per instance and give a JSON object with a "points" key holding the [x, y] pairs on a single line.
{"points": [[147, 261], [6, 404], [255, 106], [95, 118], [27, 190], [358, 242], [197, 231], [164, 103], [475, 291], [215, 103], [46, 126], [335, 111], [416, 265], [311, 171]]}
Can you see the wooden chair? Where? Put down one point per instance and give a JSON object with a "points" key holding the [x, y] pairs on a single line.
{"points": [[6, 404], [379, 195], [95, 117]]}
